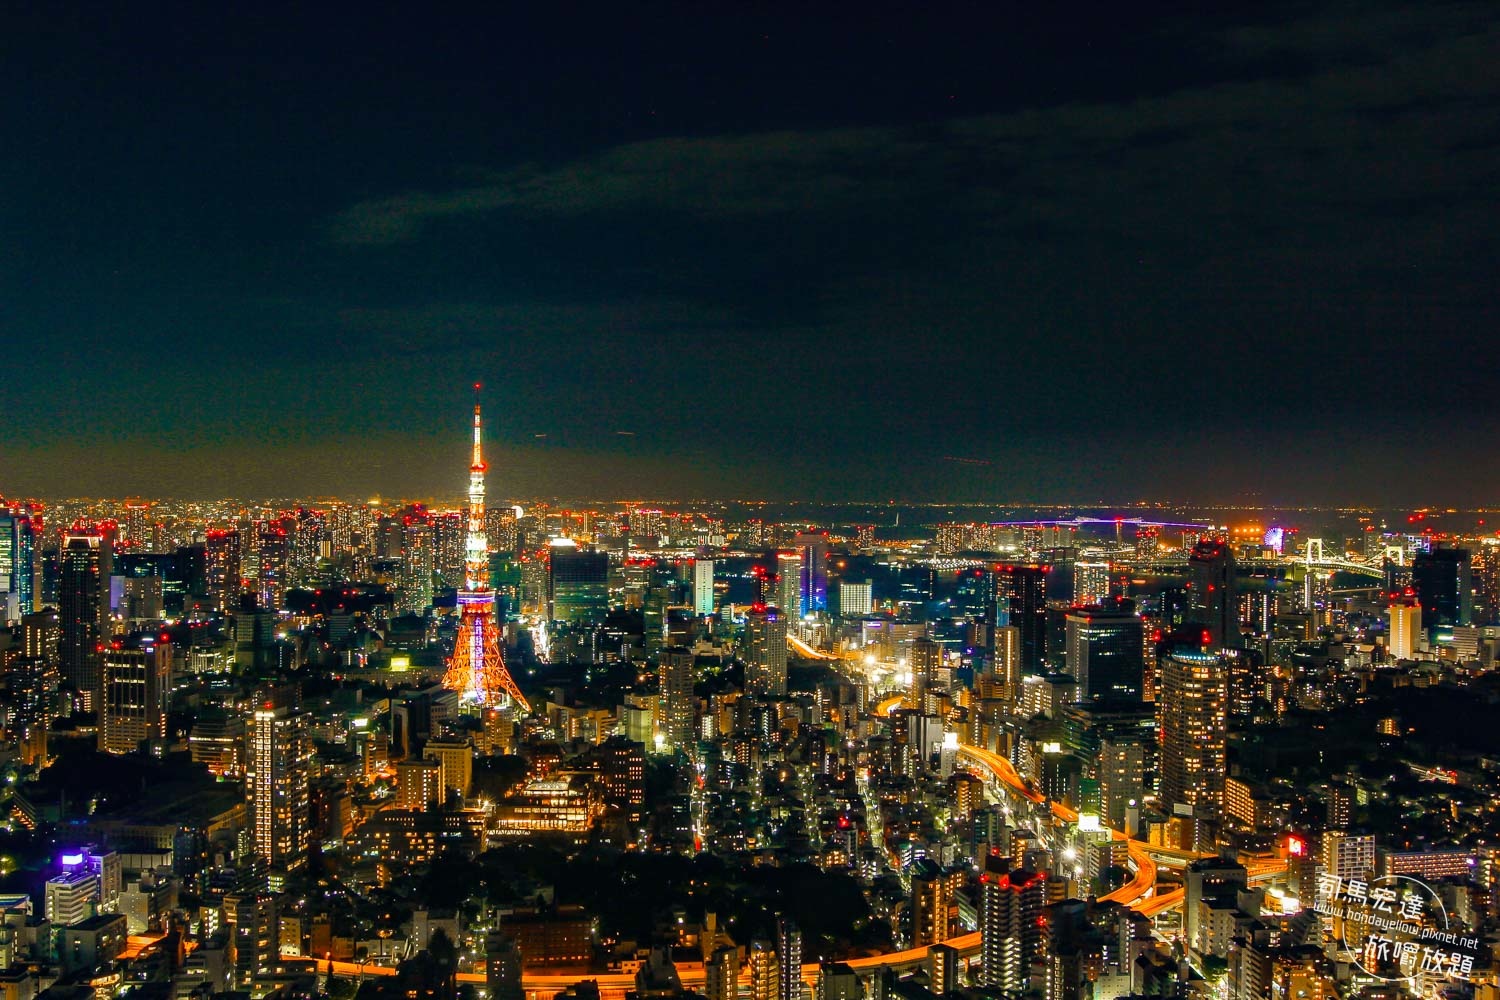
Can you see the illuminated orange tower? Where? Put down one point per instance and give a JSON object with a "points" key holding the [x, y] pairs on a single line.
{"points": [[477, 669]]}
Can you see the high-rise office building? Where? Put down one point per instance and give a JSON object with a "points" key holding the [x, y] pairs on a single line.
{"points": [[789, 584], [83, 613], [1106, 650], [1007, 658], [703, 586], [812, 546], [765, 653], [577, 584], [1021, 603], [1205, 881], [1192, 706], [856, 598], [136, 685], [17, 565], [675, 672], [1340, 805], [1121, 770], [1444, 585], [136, 525], [41, 636], [646, 526], [278, 768], [1404, 627], [1211, 593], [926, 662]]}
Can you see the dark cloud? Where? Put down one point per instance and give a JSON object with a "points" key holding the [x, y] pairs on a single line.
{"points": [[1082, 256]]}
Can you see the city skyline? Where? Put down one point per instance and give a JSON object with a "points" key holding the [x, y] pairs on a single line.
{"points": [[750, 502], [976, 255]]}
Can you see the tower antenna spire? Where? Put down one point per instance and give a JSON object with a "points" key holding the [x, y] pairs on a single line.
{"points": [[477, 668]]}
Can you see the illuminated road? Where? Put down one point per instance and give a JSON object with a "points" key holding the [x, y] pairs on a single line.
{"points": [[802, 649], [1140, 892], [889, 705], [1142, 885]]}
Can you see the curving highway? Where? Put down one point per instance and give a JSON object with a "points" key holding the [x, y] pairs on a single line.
{"points": [[1142, 885]]}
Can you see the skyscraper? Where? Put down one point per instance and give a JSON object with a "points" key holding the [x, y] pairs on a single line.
{"points": [[1444, 585], [83, 613], [274, 559], [703, 586], [136, 684], [1021, 603], [676, 675], [577, 584], [276, 780], [1106, 650], [812, 547], [17, 565], [1192, 705], [789, 584], [418, 562], [926, 660], [222, 559], [1211, 593], [765, 654]]}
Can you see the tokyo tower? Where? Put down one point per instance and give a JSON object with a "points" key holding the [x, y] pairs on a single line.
{"points": [[477, 669]]}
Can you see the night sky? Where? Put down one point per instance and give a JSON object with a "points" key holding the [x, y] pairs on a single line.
{"points": [[986, 252]]}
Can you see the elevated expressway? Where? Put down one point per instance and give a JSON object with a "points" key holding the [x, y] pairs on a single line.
{"points": [[1142, 884], [1145, 859]]}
